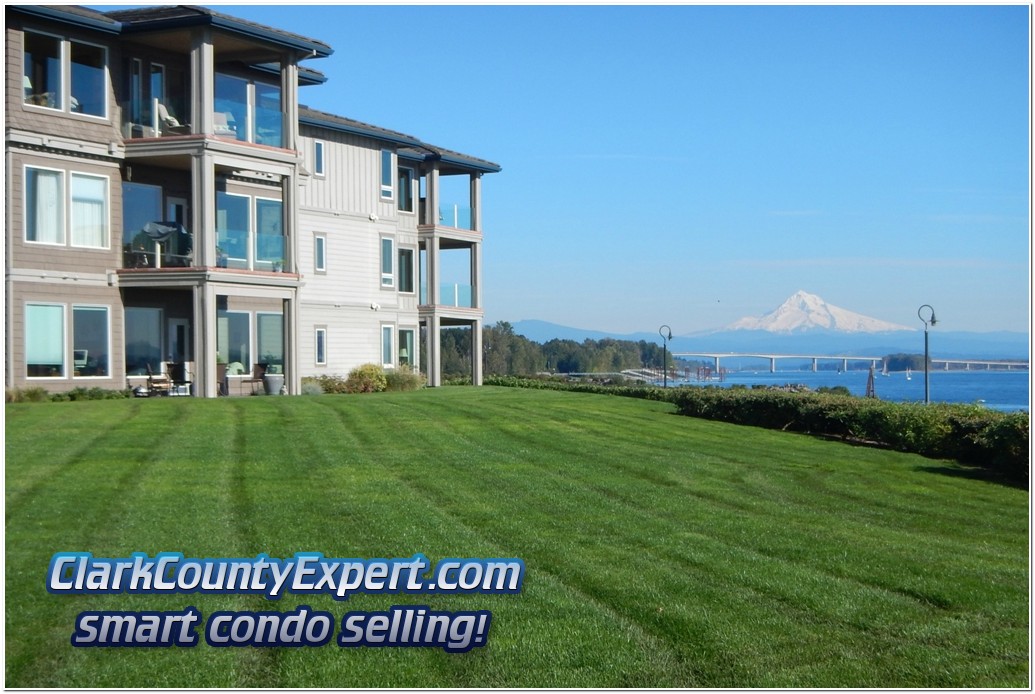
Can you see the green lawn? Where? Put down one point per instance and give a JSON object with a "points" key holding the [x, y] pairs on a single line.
{"points": [[660, 551]]}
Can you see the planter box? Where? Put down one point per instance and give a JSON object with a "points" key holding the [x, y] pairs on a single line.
{"points": [[273, 383]]}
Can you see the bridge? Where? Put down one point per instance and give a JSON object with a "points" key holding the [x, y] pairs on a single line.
{"points": [[966, 364]]}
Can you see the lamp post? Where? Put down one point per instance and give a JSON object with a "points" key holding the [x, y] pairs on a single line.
{"points": [[928, 322], [665, 337]]}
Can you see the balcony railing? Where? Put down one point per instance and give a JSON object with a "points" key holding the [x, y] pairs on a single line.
{"points": [[458, 295]]}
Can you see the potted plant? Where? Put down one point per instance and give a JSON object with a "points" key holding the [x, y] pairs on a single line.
{"points": [[278, 264], [220, 257]]}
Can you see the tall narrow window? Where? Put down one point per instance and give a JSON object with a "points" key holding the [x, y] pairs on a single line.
{"points": [[387, 260], [269, 232], [321, 346], [233, 223], [233, 340], [44, 341], [320, 253], [143, 334], [405, 189], [90, 353], [406, 270], [89, 211], [386, 174], [270, 340], [44, 206], [268, 120], [387, 348], [318, 158]]}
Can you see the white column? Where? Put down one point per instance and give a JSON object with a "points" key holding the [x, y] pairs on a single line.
{"points": [[476, 353], [205, 384], [434, 352]]}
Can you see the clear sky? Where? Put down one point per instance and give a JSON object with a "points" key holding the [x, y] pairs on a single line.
{"points": [[691, 165]]}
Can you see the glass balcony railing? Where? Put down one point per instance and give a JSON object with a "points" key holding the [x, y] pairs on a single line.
{"points": [[269, 251], [455, 216], [172, 249], [458, 295], [232, 249], [268, 127]]}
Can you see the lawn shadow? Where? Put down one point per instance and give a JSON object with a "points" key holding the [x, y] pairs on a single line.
{"points": [[974, 473]]}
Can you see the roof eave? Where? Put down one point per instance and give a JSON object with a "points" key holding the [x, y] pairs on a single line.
{"points": [[56, 13]]}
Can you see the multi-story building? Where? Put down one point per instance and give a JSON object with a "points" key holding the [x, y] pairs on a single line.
{"points": [[171, 209]]}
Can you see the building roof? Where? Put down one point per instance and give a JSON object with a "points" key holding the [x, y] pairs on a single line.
{"points": [[70, 14], [409, 147], [176, 16]]}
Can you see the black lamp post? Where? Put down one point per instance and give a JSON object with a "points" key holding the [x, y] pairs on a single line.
{"points": [[928, 322], [666, 336]]}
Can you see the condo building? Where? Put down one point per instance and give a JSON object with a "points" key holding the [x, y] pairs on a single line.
{"points": [[176, 220]]}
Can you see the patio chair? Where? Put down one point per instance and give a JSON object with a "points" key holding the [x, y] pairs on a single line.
{"points": [[157, 384], [258, 373]]}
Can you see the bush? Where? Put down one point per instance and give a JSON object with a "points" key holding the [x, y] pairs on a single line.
{"points": [[34, 394], [368, 378], [403, 378], [310, 386]]}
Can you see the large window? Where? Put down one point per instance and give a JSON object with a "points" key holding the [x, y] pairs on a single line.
{"points": [[44, 340], [386, 174], [406, 270], [90, 345], [45, 206], [143, 340], [140, 204], [234, 231], [248, 111], [44, 82]]}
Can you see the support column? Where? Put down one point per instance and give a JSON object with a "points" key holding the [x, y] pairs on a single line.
{"points": [[815, 365], [203, 81], [844, 365], [203, 208], [292, 377], [772, 365], [716, 365], [476, 202], [289, 104], [431, 196], [205, 384], [476, 353], [433, 281], [434, 352]]}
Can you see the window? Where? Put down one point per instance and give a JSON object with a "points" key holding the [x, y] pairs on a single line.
{"points": [[387, 349], [89, 211], [44, 206], [386, 174], [248, 111], [269, 232], [406, 189], [406, 353], [406, 270], [143, 340], [90, 341], [321, 346], [44, 340], [320, 253], [387, 259], [44, 76], [318, 158], [234, 231], [270, 340]]}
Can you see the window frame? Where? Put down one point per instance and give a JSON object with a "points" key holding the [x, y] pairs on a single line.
{"points": [[65, 77], [387, 277], [320, 345], [387, 174], [405, 194], [404, 286], [319, 159], [387, 345], [107, 329], [106, 217], [320, 253], [61, 200], [411, 360], [64, 338]]}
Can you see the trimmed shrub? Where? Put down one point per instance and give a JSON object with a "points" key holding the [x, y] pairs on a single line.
{"points": [[310, 386], [368, 378]]}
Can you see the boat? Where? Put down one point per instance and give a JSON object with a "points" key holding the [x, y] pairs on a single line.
{"points": [[909, 374]]}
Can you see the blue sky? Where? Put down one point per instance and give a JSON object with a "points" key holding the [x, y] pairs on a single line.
{"points": [[691, 165]]}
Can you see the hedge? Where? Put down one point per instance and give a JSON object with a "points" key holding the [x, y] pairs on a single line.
{"points": [[970, 434]]}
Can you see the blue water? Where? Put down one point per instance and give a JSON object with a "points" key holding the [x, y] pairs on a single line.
{"points": [[1000, 390]]}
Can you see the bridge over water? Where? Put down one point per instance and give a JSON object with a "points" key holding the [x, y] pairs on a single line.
{"points": [[845, 358]]}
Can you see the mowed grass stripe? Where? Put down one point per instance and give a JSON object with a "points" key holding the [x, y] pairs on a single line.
{"points": [[661, 550]]}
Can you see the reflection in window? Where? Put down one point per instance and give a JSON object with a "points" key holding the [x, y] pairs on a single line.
{"points": [[269, 228], [406, 270], [233, 221], [387, 259], [386, 345], [143, 340], [405, 189], [90, 340], [321, 346], [406, 355], [268, 121], [233, 341], [89, 92], [231, 107], [44, 341], [42, 79]]}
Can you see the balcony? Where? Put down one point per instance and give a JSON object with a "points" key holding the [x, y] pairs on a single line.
{"points": [[451, 215], [452, 295], [159, 245]]}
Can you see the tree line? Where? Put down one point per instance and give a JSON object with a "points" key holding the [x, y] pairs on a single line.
{"points": [[506, 353]]}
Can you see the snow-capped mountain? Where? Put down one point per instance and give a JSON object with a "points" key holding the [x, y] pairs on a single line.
{"points": [[803, 312]]}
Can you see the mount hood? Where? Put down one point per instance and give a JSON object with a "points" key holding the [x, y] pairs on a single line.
{"points": [[804, 312]]}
